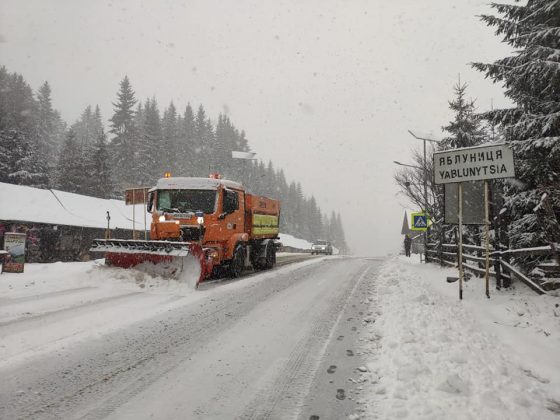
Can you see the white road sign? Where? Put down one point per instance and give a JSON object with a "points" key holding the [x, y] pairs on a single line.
{"points": [[473, 163]]}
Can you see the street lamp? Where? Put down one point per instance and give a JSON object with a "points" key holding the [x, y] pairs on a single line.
{"points": [[424, 140], [404, 164]]}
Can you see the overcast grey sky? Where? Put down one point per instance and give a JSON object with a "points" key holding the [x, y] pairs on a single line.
{"points": [[326, 89]]}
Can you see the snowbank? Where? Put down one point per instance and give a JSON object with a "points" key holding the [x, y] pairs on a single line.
{"points": [[433, 356], [289, 240]]}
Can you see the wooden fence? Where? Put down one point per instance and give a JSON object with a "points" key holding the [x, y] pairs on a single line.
{"points": [[545, 277]]}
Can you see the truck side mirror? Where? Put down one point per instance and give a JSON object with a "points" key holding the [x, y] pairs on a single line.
{"points": [[150, 203]]}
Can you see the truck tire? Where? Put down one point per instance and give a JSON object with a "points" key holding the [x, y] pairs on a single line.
{"points": [[237, 262], [270, 261]]}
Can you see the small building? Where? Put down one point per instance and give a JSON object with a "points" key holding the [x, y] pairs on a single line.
{"points": [[60, 226]]}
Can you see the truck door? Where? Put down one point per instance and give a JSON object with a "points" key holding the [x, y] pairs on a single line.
{"points": [[234, 208]]}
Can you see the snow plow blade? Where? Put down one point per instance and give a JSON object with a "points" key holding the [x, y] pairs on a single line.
{"points": [[185, 261]]}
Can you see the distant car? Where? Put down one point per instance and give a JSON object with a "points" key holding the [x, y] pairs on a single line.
{"points": [[321, 247]]}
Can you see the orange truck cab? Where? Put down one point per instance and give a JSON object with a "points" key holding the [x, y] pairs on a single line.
{"points": [[236, 229]]}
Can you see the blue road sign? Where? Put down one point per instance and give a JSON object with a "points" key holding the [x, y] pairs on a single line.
{"points": [[419, 221]]}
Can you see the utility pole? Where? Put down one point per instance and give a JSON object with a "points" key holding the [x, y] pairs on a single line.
{"points": [[425, 209]]}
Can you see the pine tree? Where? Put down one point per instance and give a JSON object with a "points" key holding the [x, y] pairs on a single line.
{"points": [[21, 120], [315, 220], [186, 144], [17, 105], [150, 163], [71, 176], [225, 138], [100, 180], [340, 239], [89, 127], [170, 140], [19, 163], [204, 144], [49, 133], [531, 77], [124, 143], [465, 130]]}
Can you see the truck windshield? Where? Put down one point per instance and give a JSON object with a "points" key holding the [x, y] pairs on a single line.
{"points": [[182, 201]]}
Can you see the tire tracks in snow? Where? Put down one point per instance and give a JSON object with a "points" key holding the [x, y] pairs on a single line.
{"points": [[283, 398], [101, 374], [55, 315], [47, 295]]}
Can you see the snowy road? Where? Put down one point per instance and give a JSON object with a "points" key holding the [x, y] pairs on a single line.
{"points": [[280, 344]]}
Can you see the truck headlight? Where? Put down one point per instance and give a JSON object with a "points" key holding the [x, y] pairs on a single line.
{"points": [[162, 218]]}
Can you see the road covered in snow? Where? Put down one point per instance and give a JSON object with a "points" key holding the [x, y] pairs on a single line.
{"points": [[323, 338], [81, 340]]}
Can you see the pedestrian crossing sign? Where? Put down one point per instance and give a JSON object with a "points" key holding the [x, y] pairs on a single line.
{"points": [[419, 221]]}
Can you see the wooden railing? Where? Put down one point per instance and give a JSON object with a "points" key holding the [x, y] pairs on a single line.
{"points": [[501, 269]]}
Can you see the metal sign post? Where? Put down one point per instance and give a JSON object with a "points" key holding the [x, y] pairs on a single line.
{"points": [[133, 216], [145, 211], [473, 164], [420, 222], [460, 215], [108, 231], [135, 196], [487, 235]]}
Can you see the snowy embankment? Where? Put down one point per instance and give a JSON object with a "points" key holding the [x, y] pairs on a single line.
{"points": [[291, 241], [297, 243], [433, 356]]}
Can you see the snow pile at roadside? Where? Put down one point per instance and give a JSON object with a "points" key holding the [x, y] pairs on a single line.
{"points": [[48, 278], [289, 240], [435, 357]]}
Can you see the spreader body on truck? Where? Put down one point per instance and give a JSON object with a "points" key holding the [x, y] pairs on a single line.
{"points": [[207, 226]]}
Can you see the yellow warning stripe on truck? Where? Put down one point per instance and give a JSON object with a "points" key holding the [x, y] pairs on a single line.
{"points": [[264, 224]]}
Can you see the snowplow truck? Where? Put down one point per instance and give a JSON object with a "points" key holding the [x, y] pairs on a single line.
{"points": [[204, 226]]}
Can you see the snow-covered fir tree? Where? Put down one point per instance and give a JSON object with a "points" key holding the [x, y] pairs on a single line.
{"points": [[24, 163], [19, 163], [123, 144], [186, 143], [101, 180], [531, 77], [170, 141], [465, 130], [89, 127], [71, 175], [149, 162], [50, 129]]}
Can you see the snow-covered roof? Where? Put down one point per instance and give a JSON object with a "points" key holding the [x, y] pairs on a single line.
{"points": [[195, 183], [26, 204]]}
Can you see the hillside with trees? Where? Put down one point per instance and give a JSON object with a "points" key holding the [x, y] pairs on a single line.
{"points": [[140, 143]]}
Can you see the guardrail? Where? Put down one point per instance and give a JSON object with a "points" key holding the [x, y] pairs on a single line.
{"points": [[501, 267]]}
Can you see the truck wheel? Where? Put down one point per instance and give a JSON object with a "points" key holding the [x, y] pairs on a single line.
{"points": [[238, 262], [270, 256]]}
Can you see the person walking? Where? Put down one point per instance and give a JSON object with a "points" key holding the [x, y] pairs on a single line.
{"points": [[407, 245]]}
